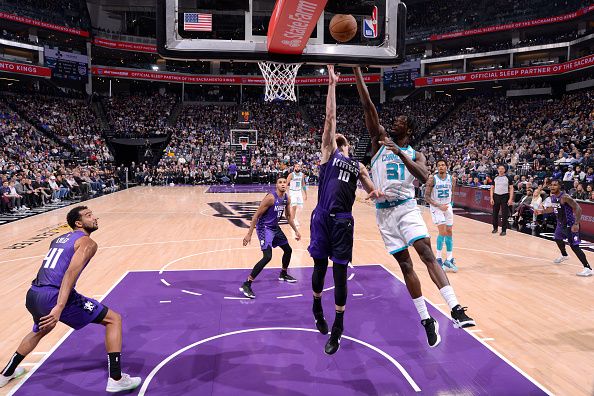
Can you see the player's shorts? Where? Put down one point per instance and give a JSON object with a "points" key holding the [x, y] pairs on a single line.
{"points": [[271, 237], [79, 310], [400, 224], [296, 198], [562, 232], [440, 217], [331, 236]]}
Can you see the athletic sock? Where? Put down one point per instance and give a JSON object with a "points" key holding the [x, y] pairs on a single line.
{"points": [[113, 365], [317, 305], [449, 242], [338, 320], [449, 296], [13, 363], [421, 307], [439, 245]]}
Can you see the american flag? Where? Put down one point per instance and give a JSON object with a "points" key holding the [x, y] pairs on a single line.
{"points": [[198, 22]]}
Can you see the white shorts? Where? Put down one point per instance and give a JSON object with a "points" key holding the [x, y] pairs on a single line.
{"points": [[401, 226], [440, 217], [296, 198]]}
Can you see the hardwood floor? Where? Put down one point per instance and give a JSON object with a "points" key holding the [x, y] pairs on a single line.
{"points": [[535, 313]]}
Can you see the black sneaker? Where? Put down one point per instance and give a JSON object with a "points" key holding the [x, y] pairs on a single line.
{"points": [[494, 231], [432, 329], [286, 278], [247, 291], [333, 343], [502, 233], [321, 323], [460, 318]]}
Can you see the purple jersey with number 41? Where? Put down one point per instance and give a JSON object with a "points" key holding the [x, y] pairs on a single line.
{"points": [[56, 262]]}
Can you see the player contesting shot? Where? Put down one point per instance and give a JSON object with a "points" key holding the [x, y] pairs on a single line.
{"points": [[52, 299], [332, 223], [394, 167]]}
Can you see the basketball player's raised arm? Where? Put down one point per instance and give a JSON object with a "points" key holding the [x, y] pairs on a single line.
{"points": [[372, 122], [83, 254], [267, 202], [329, 135], [290, 219]]}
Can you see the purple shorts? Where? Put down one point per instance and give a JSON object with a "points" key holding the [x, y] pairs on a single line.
{"points": [[573, 238], [79, 310], [271, 237], [332, 236]]}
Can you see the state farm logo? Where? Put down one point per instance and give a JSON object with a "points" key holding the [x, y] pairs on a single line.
{"points": [[298, 22]]}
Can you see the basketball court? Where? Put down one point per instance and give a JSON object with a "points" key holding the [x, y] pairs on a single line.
{"points": [[170, 261]]}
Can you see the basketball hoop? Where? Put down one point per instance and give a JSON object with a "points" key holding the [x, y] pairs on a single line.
{"points": [[280, 80], [243, 142]]}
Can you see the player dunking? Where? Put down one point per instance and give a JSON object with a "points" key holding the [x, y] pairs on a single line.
{"points": [[332, 222], [438, 194], [394, 167], [297, 191], [270, 234], [569, 214], [52, 299]]}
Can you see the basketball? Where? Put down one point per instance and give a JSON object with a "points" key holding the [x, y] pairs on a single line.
{"points": [[343, 27]]}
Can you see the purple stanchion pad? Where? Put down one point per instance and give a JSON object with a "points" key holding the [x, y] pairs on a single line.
{"points": [[182, 343]]}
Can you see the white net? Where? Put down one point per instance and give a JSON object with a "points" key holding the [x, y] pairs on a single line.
{"points": [[280, 80]]}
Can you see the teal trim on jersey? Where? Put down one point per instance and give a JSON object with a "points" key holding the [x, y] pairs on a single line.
{"points": [[446, 178], [414, 154], [399, 250], [377, 155], [416, 239], [391, 204]]}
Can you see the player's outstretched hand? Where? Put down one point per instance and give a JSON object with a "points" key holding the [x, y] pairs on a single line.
{"points": [[390, 145], [297, 236], [247, 239], [375, 194], [49, 321], [332, 77]]}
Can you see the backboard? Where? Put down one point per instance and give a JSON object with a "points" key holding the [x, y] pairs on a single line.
{"points": [[287, 31]]}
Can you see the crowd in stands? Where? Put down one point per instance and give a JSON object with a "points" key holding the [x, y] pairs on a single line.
{"points": [[71, 13], [535, 138], [441, 16], [35, 170], [71, 121], [140, 115]]}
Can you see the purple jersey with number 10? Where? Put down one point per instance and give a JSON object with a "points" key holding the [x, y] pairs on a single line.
{"points": [[57, 260], [338, 183]]}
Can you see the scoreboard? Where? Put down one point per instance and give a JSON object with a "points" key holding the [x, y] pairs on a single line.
{"points": [[66, 65], [402, 76]]}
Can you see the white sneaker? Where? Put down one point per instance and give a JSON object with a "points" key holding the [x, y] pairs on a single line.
{"points": [[25, 208], [585, 272], [17, 373], [560, 259], [125, 383]]}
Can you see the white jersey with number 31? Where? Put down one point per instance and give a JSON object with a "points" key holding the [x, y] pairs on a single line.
{"points": [[391, 177]]}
